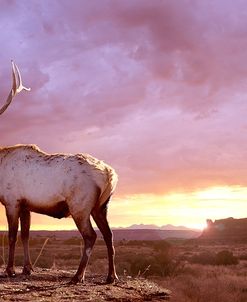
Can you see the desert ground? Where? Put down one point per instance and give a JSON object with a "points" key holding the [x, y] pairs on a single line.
{"points": [[53, 285], [175, 270]]}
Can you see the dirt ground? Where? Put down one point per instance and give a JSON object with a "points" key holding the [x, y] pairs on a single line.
{"points": [[52, 285]]}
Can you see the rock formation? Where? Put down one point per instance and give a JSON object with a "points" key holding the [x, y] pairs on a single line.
{"points": [[228, 229]]}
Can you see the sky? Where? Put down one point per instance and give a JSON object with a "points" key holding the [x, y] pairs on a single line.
{"points": [[157, 89]]}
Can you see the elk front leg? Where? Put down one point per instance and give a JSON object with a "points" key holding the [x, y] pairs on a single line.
{"points": [[13, 220], [25, 227]]}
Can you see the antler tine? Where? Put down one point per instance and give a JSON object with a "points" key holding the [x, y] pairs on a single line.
{"points": [[14, 84], [16, 87], [18, 74]]}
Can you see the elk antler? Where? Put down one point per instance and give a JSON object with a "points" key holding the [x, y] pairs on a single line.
{"points": [[16, 87]]}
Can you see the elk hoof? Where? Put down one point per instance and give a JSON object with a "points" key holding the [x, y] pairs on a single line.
{"points": [[75, 280], [27, 270], [10, 272], [112, 279]]}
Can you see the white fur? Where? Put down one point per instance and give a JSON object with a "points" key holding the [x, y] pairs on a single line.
{"points": [[88, 252], [43, 180]]}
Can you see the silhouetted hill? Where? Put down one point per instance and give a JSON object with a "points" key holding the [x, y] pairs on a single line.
{"points": [[152, 234], [155, 227], [124, 234]]}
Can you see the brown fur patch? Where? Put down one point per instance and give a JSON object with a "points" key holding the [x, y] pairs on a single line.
{"points": [[60, 210]]}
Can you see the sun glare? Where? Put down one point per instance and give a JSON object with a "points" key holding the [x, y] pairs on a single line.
{"points": [[222, 193], [190, 209]]}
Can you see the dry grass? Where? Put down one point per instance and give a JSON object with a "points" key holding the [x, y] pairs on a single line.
{"points": [[40, 253], [200, 283], [188, 282]]}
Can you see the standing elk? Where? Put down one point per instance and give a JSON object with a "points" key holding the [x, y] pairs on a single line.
{"points": [[57, 185]]}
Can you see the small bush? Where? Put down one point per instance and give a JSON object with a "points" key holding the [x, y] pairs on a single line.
{"points": [[162, 246], [221, 258], [162, 262], [204, 258], [242, 256], [225, 258]]}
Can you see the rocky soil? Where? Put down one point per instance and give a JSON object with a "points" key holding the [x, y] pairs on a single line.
{"points": [[52, 285]]}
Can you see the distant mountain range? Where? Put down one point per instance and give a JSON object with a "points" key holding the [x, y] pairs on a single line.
{"points": [[133, 232], [154, 234], [155, 227]]}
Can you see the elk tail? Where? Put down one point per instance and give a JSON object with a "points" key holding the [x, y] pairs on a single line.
{"points": [[109, 188]]}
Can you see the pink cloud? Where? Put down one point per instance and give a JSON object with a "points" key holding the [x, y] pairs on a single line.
{"points": [[157, 88]]}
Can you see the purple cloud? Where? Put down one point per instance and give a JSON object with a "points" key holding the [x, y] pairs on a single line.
{"points": [[157, 88]]}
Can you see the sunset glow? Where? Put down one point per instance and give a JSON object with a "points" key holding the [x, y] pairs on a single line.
{"points": [[157, 89], [190, 209]]}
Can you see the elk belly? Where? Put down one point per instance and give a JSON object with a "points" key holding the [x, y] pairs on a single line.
{"points": [[57, 210]]}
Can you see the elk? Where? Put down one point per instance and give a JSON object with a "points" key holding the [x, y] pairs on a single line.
{"points": [[57, 185]]}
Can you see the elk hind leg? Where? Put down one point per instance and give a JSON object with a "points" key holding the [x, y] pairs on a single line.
{"points": [[89, 236], [100, 218], [25, 227]]}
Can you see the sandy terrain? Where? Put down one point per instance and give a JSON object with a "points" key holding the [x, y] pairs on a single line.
{"points": [[52, 285]]}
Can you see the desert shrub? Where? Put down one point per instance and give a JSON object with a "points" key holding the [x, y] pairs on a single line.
{"points": [[204, 258], [166, 264], [123, 267], [161, 246], [221, 258], [154, 266], [225, 258], [242, 256], [139, 264], [161, 263]]}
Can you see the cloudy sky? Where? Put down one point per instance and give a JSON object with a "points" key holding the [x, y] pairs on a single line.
{"points": [[158, 89]]}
